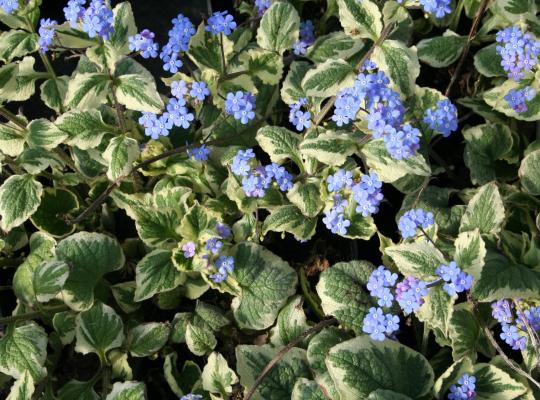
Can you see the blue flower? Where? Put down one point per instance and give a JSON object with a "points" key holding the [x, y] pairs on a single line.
{"points": [[465, 388], [367, 200], [299, 48], [179, 89], [302, 120], [282, 177], [519, 51], [379, 325], [262, 6], [191, 396], [335, 220], [532, 316], [225, 264], [410, 294], [144, 43], [199, 90], [213, 245], [443, 119], [73, 11], [46, 33], [241, 106], [412, 219], [501, 310], [512, 337], [341, 179], [221, 22], [97, 20], [456, 280], [240, 163], [223, 230], [438, 7], [172, 64], [517, 98], [189, 249], [256, 183], [9, 5], [199, 153]]}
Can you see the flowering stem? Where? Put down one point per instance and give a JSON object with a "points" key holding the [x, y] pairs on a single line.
{"points": [[314, 329], [224, 61], [467, 47], [4, 112], [311, 298], [533, 335], [32, 315]]}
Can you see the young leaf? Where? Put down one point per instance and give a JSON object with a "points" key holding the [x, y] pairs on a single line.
{"points": [[17, 43], [24, 349], [53, 92], [279, 382], [360, 19], [470, 252], [146, 339], [49, 278], [56, 204], [279, 28], [43, 133], [291, 322], [320, 345], [138, 92], [529, 173], [90, 256], [328, 78], [98, 330], [265, 281], [361, 365], [485, 211], [200, 340], [20, 196], [11, 140], [304, 389], [84, 128], [488, 62], [331, 148], [127, 391], [417, 259], [307, 197], [120, 154], [492, 383], [342, 293], [87, 91], [441, 51], [336, 45], [280, 144], [217, 377], [64, 325], [290, 219], [23, 388]]}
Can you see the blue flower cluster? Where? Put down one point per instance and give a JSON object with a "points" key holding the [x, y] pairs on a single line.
{"points": [[300, 119], [97, 19], [191, 396], [379, 325], [410, 294], [221, 22], [200, 153], [465, 388], [46, 33], [518, 98], [379, 283], [412, 219], [224, 265], [9, 6], [455, 280], [262, 6], [179, 36], [307, 38], [514, 327], [437, 7], [241, 105], [443, 119], [385, 111], [144, 43], [366, 193], [256, 179], [519, 51]]}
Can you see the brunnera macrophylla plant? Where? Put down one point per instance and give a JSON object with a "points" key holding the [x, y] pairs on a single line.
{"points": [[278, 214]]}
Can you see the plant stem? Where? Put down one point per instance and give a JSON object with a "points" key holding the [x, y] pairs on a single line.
{"points": [[467, 47], [32, 315], [4, 112], [223, 53], [425, 340], [309, 295], [314, 329]]}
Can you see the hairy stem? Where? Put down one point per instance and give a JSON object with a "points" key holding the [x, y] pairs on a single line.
{"points": [[314, 329]]}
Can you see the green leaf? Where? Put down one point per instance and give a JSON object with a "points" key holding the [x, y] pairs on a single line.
{"points": [[437, 309], [493, 383], [502, 279], [53, 92], [529, 173], [304, 389], [23, 388], [280, 144], [77, 390], [361, 227], [20, 196], [291, 90], [336, 45], [441, 51], [156, 273], [205, 49], [43, 133], [380, 394], [17, 43], [24, 349], [470, 252], [11, 140], [209, 316], [98, 330], [265, 65], [120, 154], [388, 168], [200, 340], [290, 219], [138, 92], [217, 377], [331, 148], [485, 211], [342, 293], [417, 259], [64, 325], [279, 383], [291, 322], [320, 345], [495, 98], [147, 339], [465, 333], [450, 376], [22, 78], [196, 222], [49, 278], [36, 160], [512, 11], [124, 294], [488, 62], [123, 27], [41, 249], [90, 256], [328, 78], [400, 64], [130, 390], [307, 197], [120, 365], [360, 365], [84, 128], [360, 19], [485, 145], [279, 28], [87, 90], [265, 281], [56, 204]]}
